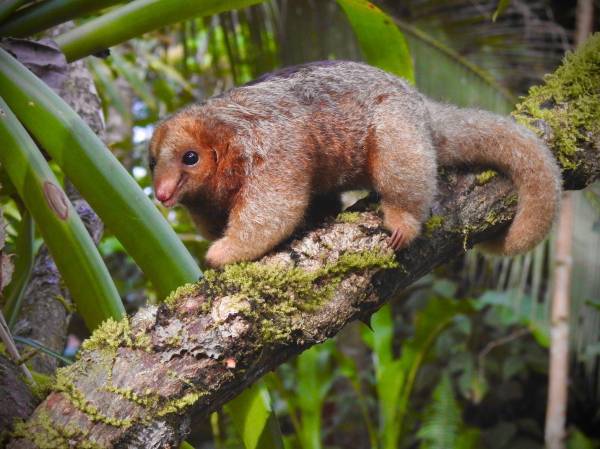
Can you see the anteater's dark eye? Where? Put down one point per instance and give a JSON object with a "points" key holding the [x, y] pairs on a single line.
{"points": [[190, 158], [152, 163]]}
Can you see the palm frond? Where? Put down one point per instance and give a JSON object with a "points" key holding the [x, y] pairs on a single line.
{"points": [[522, 45]]}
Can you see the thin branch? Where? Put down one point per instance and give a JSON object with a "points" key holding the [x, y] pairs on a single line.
{"points": [[558, 372], [11, 348]]}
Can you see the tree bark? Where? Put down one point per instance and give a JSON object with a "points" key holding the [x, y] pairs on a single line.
{"points": [[18, 401], [137, 381]]}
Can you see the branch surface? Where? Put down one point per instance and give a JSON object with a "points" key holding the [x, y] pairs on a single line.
{"points": [[138, 380]]}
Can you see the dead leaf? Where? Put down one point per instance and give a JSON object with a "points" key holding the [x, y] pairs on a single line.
{"points": [[42, 57]]}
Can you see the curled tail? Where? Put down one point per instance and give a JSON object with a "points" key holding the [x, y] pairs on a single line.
{"points": [[474, 137]]}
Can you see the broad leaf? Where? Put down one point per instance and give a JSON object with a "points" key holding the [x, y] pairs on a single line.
{"points": [[382, 43], [254, 420]]}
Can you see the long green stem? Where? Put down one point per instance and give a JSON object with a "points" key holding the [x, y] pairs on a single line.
{"points": [[43, 15], [71, 246], [99, 176], [136, 18]]}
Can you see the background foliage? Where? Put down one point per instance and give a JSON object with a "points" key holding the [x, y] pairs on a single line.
{"points": [[459, 360]]}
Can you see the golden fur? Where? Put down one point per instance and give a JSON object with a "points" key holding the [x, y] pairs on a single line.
{"points": [[268, 148]]}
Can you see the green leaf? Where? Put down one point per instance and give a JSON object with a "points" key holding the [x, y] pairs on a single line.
{"points": [[99, 176], [382, 43], [445, 75], [37, 345], [134, 78], [396, 376], [347, 367], [577, 440], [468, 438], [314, 379], [444, 288], [134, 19], [382, 324], [7, 7], [390, 380], [186, 445], [108, 88], [442, 419], [23, 265], [71, 246], [541, 332], [502, 5], [594, 304], [46, 14], [493, 298], [169, 72], [442, 426], [254, 420]]}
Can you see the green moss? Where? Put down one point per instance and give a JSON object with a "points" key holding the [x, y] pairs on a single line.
{"points": [[143, 341], [49, 439], [112, 334], [79, 401], [511, 199], [491, 218], [569, 102], [147, 400], [275, 296], [357, 261], [485, 177], [434, 222], [252, 280], [42, 384], [109, 336], [348, 217], [175, 340], [68, 305], [177, 405], [184, 291], [53, 436]]}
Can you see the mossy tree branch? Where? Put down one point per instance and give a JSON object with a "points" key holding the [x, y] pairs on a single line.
{"points": [[137, 381]]}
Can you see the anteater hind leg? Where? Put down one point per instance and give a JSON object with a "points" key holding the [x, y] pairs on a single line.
{"points": [[403, 171]]}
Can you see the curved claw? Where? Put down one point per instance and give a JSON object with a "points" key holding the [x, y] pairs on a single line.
{"points": [[397, 240]]}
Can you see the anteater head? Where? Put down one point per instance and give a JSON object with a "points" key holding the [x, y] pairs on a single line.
{"points": [[184, 155]]}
